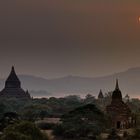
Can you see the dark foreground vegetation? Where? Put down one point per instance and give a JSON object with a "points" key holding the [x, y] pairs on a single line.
{"points": [[86, 121], [22, 130], [79, 119]]}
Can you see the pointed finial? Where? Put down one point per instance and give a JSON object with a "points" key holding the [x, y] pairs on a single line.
{"points": [[13, 69], [117, 84]]}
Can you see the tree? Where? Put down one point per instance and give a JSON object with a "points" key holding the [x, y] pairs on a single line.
{"points": [[33, 112], [89, 99], [7, 119], [2, 109], [43, 114], [84, 121], [23, 131]]}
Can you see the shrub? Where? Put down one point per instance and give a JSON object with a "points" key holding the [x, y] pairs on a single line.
{"points": [[23, 131]]}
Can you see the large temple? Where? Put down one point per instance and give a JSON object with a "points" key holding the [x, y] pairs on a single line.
{"points": [[119, 112], [13, 88]]}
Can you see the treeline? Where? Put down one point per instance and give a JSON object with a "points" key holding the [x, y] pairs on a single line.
{"points": [[55, 107], [81, 118], [51, 107]]}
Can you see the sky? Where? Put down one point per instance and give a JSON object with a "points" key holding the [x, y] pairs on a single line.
{"points": [[55, 38]]}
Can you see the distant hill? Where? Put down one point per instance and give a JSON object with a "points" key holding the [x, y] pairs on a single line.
{"points": [[129, 82]]}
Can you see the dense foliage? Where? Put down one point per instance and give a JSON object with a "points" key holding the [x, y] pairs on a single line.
{"points": [[85, 121], [81, 118], [40, 108], [23, 131]]}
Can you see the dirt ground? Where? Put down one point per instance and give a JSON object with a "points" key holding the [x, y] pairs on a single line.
{"points": [[49, 133]]}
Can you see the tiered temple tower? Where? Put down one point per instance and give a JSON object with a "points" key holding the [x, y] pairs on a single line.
{"points": [[13, 88], [119, 112]]}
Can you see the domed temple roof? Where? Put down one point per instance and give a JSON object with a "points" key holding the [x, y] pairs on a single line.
{"points": [[13, 87]]}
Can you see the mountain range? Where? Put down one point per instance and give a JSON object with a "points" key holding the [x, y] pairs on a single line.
{"points": [[129, 82]]}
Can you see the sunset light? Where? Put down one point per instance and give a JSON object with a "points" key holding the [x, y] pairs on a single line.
{"points": [[69, 69]]}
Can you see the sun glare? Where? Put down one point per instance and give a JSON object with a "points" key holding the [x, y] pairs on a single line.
{"points": [[139, 19]]}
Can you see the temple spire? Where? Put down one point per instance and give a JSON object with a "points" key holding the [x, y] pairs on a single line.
{"points": [[117, 84], [13, 88], [12, 80], [13, 69]]}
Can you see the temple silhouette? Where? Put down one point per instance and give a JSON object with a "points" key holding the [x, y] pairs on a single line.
{"points": [[119, 112], [13, 88]]}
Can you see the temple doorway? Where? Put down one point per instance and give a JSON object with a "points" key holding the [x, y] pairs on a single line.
{"points": [[118, 125]]}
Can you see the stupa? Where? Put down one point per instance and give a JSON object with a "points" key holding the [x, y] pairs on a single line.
{"points": [[13, 88]]}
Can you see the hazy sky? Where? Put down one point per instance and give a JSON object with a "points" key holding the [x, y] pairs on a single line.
{"points": [[53, 38]]}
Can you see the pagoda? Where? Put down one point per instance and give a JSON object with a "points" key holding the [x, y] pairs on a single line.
{"points": [[119, 112], [100, 96], [13, 88]]}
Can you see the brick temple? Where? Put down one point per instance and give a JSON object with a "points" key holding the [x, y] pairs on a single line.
{"points": [[119, 112], [13, 88]]}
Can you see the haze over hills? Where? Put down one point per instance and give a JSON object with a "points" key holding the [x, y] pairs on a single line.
{"points": [[129, 82]]}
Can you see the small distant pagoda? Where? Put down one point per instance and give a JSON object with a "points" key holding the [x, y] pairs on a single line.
{"points": [[100, 96], [119, 112], [13, 88]]}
